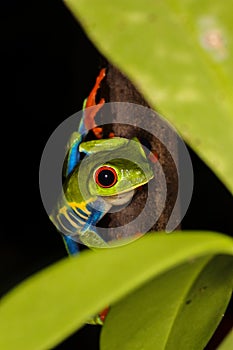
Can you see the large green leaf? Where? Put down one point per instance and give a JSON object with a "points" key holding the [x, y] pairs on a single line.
{"points": [[51, 305], [179, 54], [227, 343], [179, 309]]}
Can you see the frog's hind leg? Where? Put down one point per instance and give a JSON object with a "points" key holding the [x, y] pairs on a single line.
{"points": [[71, 245], [89, 114], [87, 122]]}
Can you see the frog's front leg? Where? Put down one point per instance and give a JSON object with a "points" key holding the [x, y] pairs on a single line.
{"points": [[89, 234], [89, 238], [92, 240]]}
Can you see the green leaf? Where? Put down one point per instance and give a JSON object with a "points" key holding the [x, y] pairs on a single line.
{"points": [[179, 309], [179, 55], [52, 304], [227, 343]]}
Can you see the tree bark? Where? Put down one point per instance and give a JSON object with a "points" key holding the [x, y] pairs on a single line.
{"points": [[118, 88]]}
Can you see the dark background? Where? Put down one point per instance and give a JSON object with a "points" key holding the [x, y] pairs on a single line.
{"points": [[48, 67]]}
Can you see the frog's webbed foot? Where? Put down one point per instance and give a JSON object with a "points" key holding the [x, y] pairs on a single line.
{"points": [[91, 98], [98, 132], [89, 119], [92, 239]]}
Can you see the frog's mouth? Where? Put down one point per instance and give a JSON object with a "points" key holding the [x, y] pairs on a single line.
{"points": [[120, 198]]}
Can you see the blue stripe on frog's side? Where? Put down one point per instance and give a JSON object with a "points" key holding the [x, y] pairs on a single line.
{"points": [[69, 221], [74, 154], [73, 221], [78, 224]]}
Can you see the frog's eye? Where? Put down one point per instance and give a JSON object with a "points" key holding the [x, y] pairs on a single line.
{"points": [[105, 177]]}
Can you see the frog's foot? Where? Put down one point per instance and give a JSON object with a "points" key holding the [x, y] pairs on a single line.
{"points": [[98, 132], [111, 135], [91, 98], [89, 119], [100, 318], [153, 156], [92, 239], [103, 314]]}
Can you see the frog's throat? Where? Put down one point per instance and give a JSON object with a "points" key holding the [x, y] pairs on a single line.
{"points": [[119, 199]]}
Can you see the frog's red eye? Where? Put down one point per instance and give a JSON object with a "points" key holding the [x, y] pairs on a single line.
{"points": [[105, 177]]}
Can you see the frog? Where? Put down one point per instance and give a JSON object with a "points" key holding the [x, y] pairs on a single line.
{"points": [[99, 174], [88, 198]]}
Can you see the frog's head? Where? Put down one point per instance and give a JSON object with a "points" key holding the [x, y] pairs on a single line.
{"points": [[117, 178]]}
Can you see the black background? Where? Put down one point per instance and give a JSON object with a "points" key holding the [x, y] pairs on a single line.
{"points": [[48, 67]]}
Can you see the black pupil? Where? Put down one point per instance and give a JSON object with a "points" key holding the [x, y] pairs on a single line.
{"points": [[106, 178]]}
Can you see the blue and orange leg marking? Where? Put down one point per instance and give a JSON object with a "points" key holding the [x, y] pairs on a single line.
{"points": [[87, 123]]}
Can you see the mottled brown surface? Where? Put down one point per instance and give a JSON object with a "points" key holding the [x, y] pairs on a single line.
{"points": [[117, 88]]}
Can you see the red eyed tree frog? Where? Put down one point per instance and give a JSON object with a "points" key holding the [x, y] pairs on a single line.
{"points": [[103, 184]]}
